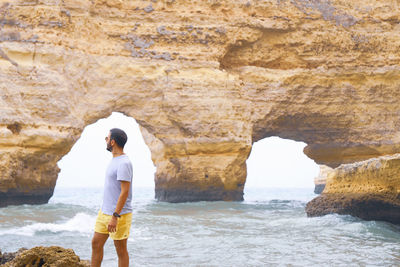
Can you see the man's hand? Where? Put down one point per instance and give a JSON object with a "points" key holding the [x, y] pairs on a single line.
{"points": [[125, 186], [112, 225]]}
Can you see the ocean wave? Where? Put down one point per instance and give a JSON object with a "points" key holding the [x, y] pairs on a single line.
{"points": [[81, 223]]}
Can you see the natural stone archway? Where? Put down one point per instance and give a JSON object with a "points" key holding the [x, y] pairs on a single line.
{"points": [[204, 79], [85, 163], [279, 163]]}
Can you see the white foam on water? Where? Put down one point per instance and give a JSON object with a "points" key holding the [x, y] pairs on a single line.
{"points": [[81, 223]]}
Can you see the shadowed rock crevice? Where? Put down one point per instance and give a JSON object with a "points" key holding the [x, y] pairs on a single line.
{"points": [[15, 128], [319, 188], [267, 51]]}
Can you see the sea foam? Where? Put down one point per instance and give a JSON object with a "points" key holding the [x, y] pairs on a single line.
{"points": [[80, 223]]}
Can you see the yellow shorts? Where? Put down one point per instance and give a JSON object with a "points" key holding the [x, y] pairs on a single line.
{"points": [[123, 226]]}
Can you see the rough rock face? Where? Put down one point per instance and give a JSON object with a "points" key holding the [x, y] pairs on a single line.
{"points": [[46, 256], [369, 189], [320, 180], [9, 256], [204, 79]]}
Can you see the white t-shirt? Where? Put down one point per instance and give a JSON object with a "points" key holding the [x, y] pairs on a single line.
{"points": [[119, 169]]}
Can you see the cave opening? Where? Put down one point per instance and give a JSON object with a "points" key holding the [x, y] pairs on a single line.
{"points": [[84, 166], [278, 166]]}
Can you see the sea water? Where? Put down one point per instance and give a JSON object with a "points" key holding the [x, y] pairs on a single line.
{"points": [[268, 228]]}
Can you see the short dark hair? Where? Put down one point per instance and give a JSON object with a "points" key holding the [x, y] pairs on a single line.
{"points": [[119, 136]]}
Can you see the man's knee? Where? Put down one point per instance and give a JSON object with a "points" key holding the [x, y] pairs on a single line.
{"points": [[121, 247], [97, 243]]}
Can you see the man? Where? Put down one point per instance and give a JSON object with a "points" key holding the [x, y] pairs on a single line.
{"points": [[115, 217]]}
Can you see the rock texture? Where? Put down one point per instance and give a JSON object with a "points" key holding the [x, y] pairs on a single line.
{"points": [[320, 180], [369, 189], [9, 256], [47, 257], [204, 79]]}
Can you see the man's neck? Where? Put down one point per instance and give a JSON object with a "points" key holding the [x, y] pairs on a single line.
{"points": [[117, 153]]}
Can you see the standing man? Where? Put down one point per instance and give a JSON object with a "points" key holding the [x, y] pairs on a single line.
{"points": [[115, 217]]}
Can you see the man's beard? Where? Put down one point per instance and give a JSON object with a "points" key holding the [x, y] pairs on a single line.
{"points": [[109, 147]]}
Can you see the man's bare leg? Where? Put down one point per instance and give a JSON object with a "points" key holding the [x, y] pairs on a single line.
{"points": [[122, 252], [98, 242]]}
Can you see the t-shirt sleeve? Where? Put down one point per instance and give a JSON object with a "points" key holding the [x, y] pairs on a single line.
{"points": [[124, 172]]}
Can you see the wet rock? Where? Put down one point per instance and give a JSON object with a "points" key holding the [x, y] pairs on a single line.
{"points": [[19, 198], [367, 189], [320, 180], [190, 195], [379, 207], [319, 188]]}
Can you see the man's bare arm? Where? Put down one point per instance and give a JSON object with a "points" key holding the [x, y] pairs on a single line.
{"points": [[112, 225], [123, 196]]}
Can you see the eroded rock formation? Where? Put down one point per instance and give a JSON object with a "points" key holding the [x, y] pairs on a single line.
{"points": [[204, 79], [369, 189]]}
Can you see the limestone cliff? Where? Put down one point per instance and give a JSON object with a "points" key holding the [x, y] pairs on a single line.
{"points": [[204, 79]]}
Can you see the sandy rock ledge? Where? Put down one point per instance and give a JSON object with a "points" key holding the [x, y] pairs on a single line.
{"points": [[368, 189]]}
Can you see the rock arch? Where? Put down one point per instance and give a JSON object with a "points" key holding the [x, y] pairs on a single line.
{"points": [[204, 79]]}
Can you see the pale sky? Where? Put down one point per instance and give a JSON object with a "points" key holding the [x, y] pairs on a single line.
{"points": [[273, 162]]}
